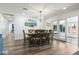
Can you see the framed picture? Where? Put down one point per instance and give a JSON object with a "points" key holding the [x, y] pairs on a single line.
{"points": [[72, 28], [31, 23]]}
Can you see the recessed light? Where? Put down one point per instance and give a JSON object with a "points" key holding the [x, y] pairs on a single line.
{"points": [[64, 8]]}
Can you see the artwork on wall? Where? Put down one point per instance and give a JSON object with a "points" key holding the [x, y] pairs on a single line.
{"points": [[72, 25], [31, 23], [72, 28]]}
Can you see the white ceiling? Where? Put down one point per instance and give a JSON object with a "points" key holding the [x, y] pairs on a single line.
{"points": [[33, 9]]}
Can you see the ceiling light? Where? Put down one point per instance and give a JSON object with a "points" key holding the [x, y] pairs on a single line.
{"points": [[23, 13], [64, 8]]}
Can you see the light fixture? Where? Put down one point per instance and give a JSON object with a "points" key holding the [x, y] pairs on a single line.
{"points": [[25, 9], [23, 13], [40, 16], [64, 8]]}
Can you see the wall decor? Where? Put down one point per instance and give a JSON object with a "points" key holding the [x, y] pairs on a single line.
{"points": [[72, 28], [31, 23]]}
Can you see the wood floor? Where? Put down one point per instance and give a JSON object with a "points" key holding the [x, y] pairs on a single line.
{"points": [[57, 48]]}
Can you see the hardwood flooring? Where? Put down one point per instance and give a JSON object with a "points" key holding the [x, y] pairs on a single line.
{"points": [[57, 48]]}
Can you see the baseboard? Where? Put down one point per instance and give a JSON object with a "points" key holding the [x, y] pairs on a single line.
{"points": [[18, 39], [59, 40]]}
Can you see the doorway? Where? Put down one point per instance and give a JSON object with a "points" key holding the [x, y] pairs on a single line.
{"points": [[11, 31]]}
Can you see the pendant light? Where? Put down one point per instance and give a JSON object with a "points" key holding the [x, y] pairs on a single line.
{"points": [[40, 16]]}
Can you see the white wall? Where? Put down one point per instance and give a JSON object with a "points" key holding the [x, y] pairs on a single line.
{"points": [[3, 26], [20, 25]]}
